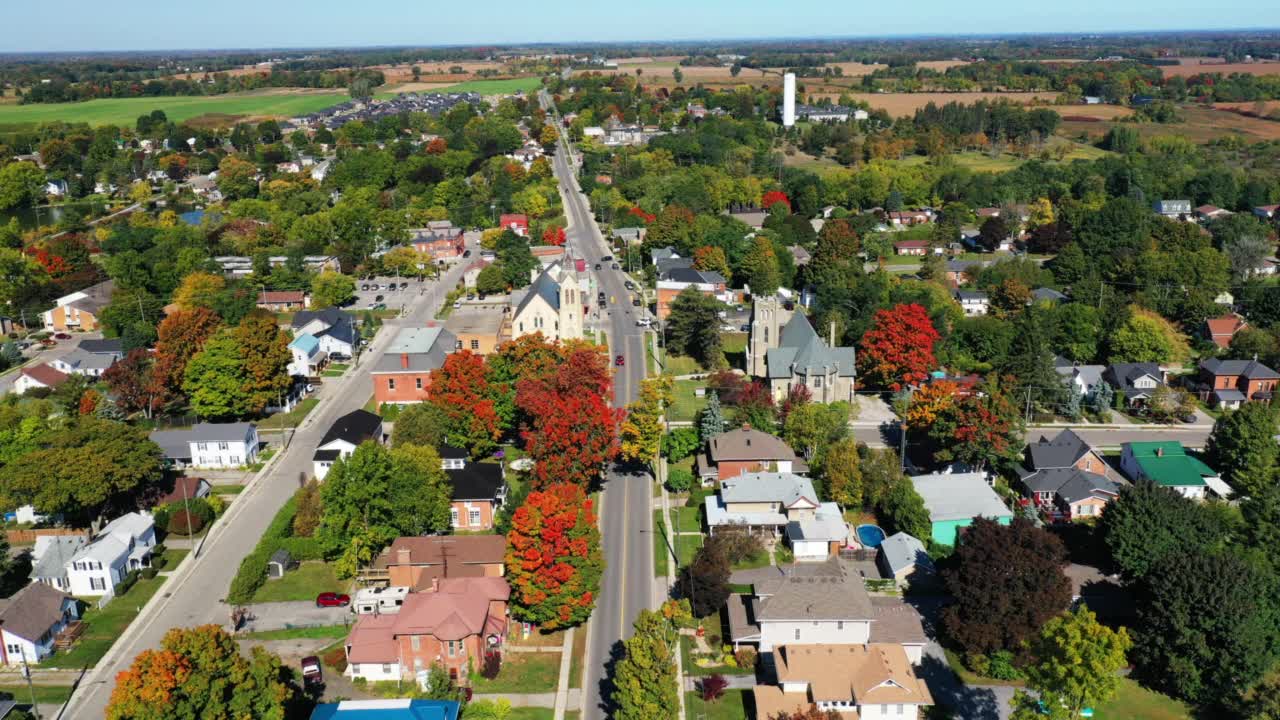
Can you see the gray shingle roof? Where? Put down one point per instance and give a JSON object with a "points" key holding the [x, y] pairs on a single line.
{"points": [[1249, 369], [958, 496], [801, 351], [902, 551], [1123, 375], [833, 596], [1060, 452], [32, 611], [749, 444], [55, 552], [545, 286], [785, 488]]}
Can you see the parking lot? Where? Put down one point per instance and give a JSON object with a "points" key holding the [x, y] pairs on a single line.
{"points": [[377, 290]]}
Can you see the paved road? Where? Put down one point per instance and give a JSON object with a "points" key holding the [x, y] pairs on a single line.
{"points": [[193, 595], [625, 515], [47, 356]]}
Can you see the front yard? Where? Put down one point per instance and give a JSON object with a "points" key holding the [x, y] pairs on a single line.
{"points": [[293, 418], [734, 705], [302, 583], [522, 673], [103, 627], [685, 405]]}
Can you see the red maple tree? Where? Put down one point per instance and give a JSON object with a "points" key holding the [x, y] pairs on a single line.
{"points": [[460, 388], [130, 382], [180, 336], [553, 557], [437, 146], [773, 197], [573, 428], [898, 348], [553, 236], [646, 217]]}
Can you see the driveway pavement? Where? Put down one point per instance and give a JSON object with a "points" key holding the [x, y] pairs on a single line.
{"points": [[47, 355], [300, 613]]}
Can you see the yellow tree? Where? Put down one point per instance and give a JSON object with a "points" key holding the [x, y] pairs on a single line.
{"points": [[404, 260], [548, 135], [1040, 213], [641, 433], [199, 289], [140, 192], [928, 402]]}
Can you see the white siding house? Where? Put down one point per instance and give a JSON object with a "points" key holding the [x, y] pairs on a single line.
{"points": [[123, 545], [31, 620]]}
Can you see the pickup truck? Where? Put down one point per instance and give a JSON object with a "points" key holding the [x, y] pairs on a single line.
{"points": [[312, 674]]}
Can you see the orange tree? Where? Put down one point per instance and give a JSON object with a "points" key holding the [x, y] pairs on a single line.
{"points": [[460, 389], [200, 673], [898, 348], [554, 563], [180, 336], [573, 430]]}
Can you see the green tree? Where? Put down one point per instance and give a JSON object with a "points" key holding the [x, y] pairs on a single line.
{"points": [[760, 267], [420, 424], [491, 280], [1243, 447], [1078, 326], [903, 510], [21, 278], [705, 581], [265, 357], [357, 502], [516, 259], [1077, 665], [840, 468], [332, 289], [645, 677], [711, 423], [236, 178], [216, 381], [813, 426], [21, 184], [693, 327], [419, 491], [1141, 338], [1148, 522]]}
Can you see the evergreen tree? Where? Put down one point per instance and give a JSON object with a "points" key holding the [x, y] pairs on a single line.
{"points": [[1243, 447], [712, 422]]}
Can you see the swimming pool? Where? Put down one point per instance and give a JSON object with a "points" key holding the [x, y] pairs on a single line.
{"points": [[870, 535]]}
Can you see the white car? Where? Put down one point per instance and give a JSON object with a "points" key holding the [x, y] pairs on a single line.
{"points": [[644, 322]]}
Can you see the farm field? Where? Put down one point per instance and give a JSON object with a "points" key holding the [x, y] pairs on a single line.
{"points": [[1201, 125], [125, 111], [495, 87], [906, 104], [1193, 66]]}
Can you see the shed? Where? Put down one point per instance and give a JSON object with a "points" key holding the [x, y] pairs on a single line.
{"points": [[901, 555], [280, 563]]}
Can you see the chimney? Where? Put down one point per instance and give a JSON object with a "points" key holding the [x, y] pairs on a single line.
{"points": [[1159, 452], [833, 333], [404, 361], [435, 584], [404, 556]]}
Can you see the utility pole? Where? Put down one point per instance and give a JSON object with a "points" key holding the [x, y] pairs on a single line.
{"points": [[26, 673]]}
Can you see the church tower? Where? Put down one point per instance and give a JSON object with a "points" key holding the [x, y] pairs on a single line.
{"points": [[767, 318]]}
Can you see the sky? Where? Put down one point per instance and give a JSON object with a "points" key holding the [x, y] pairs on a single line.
{"points": [[85, 25]]}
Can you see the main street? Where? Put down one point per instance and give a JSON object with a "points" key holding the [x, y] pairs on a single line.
{"points": [[625, 510], [194, 594]]}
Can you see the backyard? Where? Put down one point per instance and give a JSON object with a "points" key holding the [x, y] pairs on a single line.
{"points": [[733, 705], [685, 404], [523, 672]]}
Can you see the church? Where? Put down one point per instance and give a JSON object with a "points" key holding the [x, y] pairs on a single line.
{"points": [[553, 305], [786, 351]]}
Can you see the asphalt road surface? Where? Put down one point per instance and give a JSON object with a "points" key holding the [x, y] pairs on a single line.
{"points": [[625, 514], [193, 595]]}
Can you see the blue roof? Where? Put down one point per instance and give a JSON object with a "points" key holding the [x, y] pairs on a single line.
{"points": [[306, 342], [401, 709]]}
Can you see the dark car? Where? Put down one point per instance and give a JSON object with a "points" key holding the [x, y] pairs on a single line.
{"points": [[339, 357], [635, 302], [597, 266], [606, 258], [404, 285], [629, 285], [378, 299], [1188, 418], [312, 673], [615, 266], [331, 599], [61, 336], [466, 253], [364, 286], [603, 303], [619, 361]]}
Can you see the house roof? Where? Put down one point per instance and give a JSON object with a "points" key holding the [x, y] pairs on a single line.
{"points": [[281, 557], [748, 444], [826, 525], [1225, 325], [902, 551], [45, 374], [1248, 369], [1090, 375], [896, 621], [802, 351], [329, 316], [833, 595], [96, 297], [786, 488], [1167, 463], [355, 427], [420, 349], [53, 553], [108, 346], [958, 496], [909, 243], [963, 295], [1123, 375], [476, 481], [307, 343], [183, 487], [864, 674], [1070, 484], [82, 359], [687, 274], [431, 550], [281, 296], [457, 609], [32, 611], [1048, 294], [1060, 452], [545, 286], [399, 709]]}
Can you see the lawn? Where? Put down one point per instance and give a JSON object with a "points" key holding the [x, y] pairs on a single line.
{"points": [[102, 627], [579, 653], [734, 342], [227, 489], [335, 370], [293, 418], [125, 111], [684, 404], [45, 694], [1134, 702], [304, 583], [495, 87], [174, 556], [759, 560], [687, 519], [680, 365], [523, 673], [732, 706], [687, 546], [661, 553], [301, 633]]}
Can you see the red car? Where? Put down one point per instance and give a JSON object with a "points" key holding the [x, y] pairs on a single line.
{"points": [[62, 336], [619, 361], [329, 599]]}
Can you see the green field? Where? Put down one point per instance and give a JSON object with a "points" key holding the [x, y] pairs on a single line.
{"points": [[125, 111], [496, 87]]}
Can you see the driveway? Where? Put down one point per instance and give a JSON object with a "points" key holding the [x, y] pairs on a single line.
{"points": [[873, 410], [302, 613]]}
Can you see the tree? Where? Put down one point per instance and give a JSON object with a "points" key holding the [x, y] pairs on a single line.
{"points": [[1243, 448], [811, 427], [216, 381], [641, 432], [1148, 522], [420, 492], [1077, 662], [982, 428], [515, 258], [1144, 337], [199, 290], [759, 267], [332, 289], [420, 424], [841, 472], [307, 518], [693, 327], [130, 381], [680, 443], [1167, 404], [265, 357], [645, 677], [898, 348], [574, 429], [554, 562], [200, 673], [236, 178], [21, 184], [356, 500], [491, 280], [711, 423], [712, 259], [1207, 625], [1007, 581], [180, 336], [21, 278], [460, 390], [705, 581], [994, 231], [903, 510]]}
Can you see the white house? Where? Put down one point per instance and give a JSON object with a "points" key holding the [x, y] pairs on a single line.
{"points": [[40, 375], [773, 503], [80, 362], [210, 445], [343, 437], [123, 545], [306, 356], [334, 329], [973, 302], [50, 557], [31, 620]]}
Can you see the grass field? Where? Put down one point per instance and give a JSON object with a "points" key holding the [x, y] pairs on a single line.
{"points": [[125, 111], [322, 632], [45, 694], [304, 583], [494, 87], [1134, 702], [684, 404], [732, 706], [523, 673]]}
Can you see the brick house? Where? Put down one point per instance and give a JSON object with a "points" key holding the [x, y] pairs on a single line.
{"points": [[1067, 477], [282, 300], [443, 242], [403, 373], [746, 450], [911, 247], [516, 223], [413, 562], [1221, 330], [1230, 383], [678, 279], [479, 489], [453, 624]]}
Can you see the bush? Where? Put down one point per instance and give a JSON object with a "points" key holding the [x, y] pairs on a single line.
{"points": [[158, 549], [1001, 666], [746, 657], [158, 561], [126, 582], [679, 480], [185, 523], [150, 572], [249, 577], [216, 504], [978, 663], [492, 664], [336, 659], [712, 687], [302, 548]]}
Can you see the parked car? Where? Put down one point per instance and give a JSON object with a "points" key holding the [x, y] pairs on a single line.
{"points": [[644, 322], [62, 336], [606, 258], [332, 599], [365, 286], [466, 253], [615, 266], [471, 296], [619, 361], [378, 299], [597, 266], [457, 305], [339, 357], [404, 285], [635, 301], [312, 673]]}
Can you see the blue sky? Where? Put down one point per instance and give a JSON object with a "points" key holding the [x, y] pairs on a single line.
{"points": [[68, 25]]}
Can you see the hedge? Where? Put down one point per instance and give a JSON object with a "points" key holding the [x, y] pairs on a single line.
{"points": [[253, 569], [302, 548], [126, 582]]}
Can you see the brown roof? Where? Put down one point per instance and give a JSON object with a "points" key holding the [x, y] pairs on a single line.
{"points": [[748, 444], [895, 622], [45, 374], [828, 596], [458, 609], [872, 674], [33, 611], [1225, 325], [462, 549], [372, 640], [184, 488], [96, 297], [281, 296]]}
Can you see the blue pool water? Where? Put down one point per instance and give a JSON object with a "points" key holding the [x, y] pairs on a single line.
{"points": [[870, 535]]}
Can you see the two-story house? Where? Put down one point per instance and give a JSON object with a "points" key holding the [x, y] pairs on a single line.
{"points": [[972, 302], [413, 562], [746, 450], [123, 545], [210, 445], [343, 437], [1084, 377], [80, 310], [779, 504], [30, 622], [334, 329], [479, 489], [50, 557], [676, 279], [860, 681], [1230, 383], [402, 374], [306, 359], [1135, 382], [453, 624], [1067, 477]]}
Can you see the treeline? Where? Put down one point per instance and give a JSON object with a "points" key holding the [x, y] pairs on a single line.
{"points": [[997, 119], [216, 84]]}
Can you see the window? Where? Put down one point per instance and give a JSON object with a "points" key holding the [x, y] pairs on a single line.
{"points": [[475, 344], [839, 624], [415, 642], [13, 649], [452, 649], [201, 446], [222, 446], [97, 584], [453, 516], [355, 668], [900, 710], [817, 381], [391, 383], [473, 516], [386, 669], [797, 633], [418, 382]]}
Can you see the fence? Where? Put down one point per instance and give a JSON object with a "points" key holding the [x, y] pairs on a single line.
{"points": [[28, 536], [102, 601]]}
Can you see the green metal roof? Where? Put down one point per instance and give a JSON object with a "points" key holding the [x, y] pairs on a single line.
{"points": [[1148, 449], [1175, 470]]}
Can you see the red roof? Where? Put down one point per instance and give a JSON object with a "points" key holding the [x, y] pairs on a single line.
{"points": [[1221, 329], [911, 244], [517, 220], [45, 375], [271, 297], [458, 609]]}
